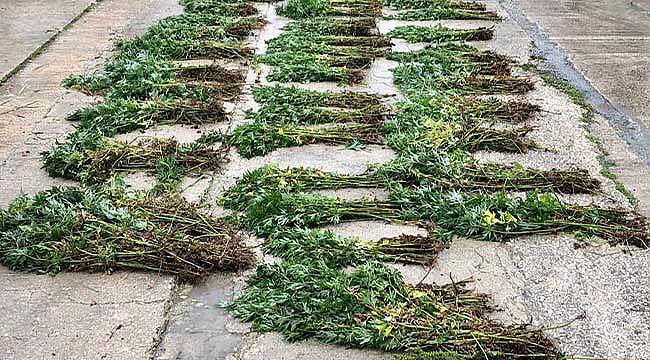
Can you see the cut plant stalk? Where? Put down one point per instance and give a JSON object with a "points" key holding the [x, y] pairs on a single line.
{"points": [[261, 139], [438, 33], [495, 217], [444, 13], [92, 158], [303, 9], [94, 229], [372, 307], [271, 178], [419, 4], [301, 97], [308, 115], [116, 117], [300, 245], [334, 26]]}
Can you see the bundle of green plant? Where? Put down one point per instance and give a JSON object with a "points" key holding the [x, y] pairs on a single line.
{"points": [[310, 115], [306, 246], [145, 77], [498, 216], [438, 33], [496, 110], [260, 139], [222, 8], [123, 116], [419, 4], [415, 79], [459, 109], [99, 229], [458, 170], [270, 210], [184, 49], [453, 57], [480, 216], [422, 133], [444, 13], [214, 73], [229, 23], [479, 138], [372, 307], [283, 59], [303, 9], [334, 26], [292, 95], [310, 69], [300, 40], [90, 157], [313, 48], [271, 178]]}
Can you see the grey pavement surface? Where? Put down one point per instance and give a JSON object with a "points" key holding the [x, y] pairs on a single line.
{"points": [[26, 25], [604, 291], [608, 41]]}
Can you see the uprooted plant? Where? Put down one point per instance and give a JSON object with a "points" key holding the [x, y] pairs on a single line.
{"points": [[372, 307], [90, 157], [101, 229]]}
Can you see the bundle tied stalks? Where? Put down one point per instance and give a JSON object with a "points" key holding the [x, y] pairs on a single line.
{"points": [[145, 78], [477, 138], [272, 178], [443, 12], [438, 33], [418, 78], [212, 73], [430, 134], [494, 217], [310, 69], [189, 49], [372, 307], [496, 110], [460, 171], [334, 27], [302, 97], [457, 171], [300, 39], [260, 139], [123, 116], [304, 9], [332, 62], [418, 4], [300, 245], [94, 229], [98, 157], [308, 115], [229, 8], [452, 57]]}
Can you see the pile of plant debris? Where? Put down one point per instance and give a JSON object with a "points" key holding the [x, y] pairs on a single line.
{"points": [[101, 229], [145, 86], [337, 289], [98, 227]]}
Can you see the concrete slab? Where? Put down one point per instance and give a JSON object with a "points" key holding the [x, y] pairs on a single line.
{"points": [[27, 25], [81, 316], [608, 41], [70, 316]]}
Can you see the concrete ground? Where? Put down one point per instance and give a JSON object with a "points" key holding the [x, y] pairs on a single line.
{"points": [[600, 293], [29, 24]]}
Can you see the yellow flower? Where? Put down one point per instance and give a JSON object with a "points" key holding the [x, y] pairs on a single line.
{"points": [[490, 218]]}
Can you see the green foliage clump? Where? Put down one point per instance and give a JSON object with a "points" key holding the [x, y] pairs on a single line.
{"points": [[372, 307], [101, 229], [415, 34]]}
